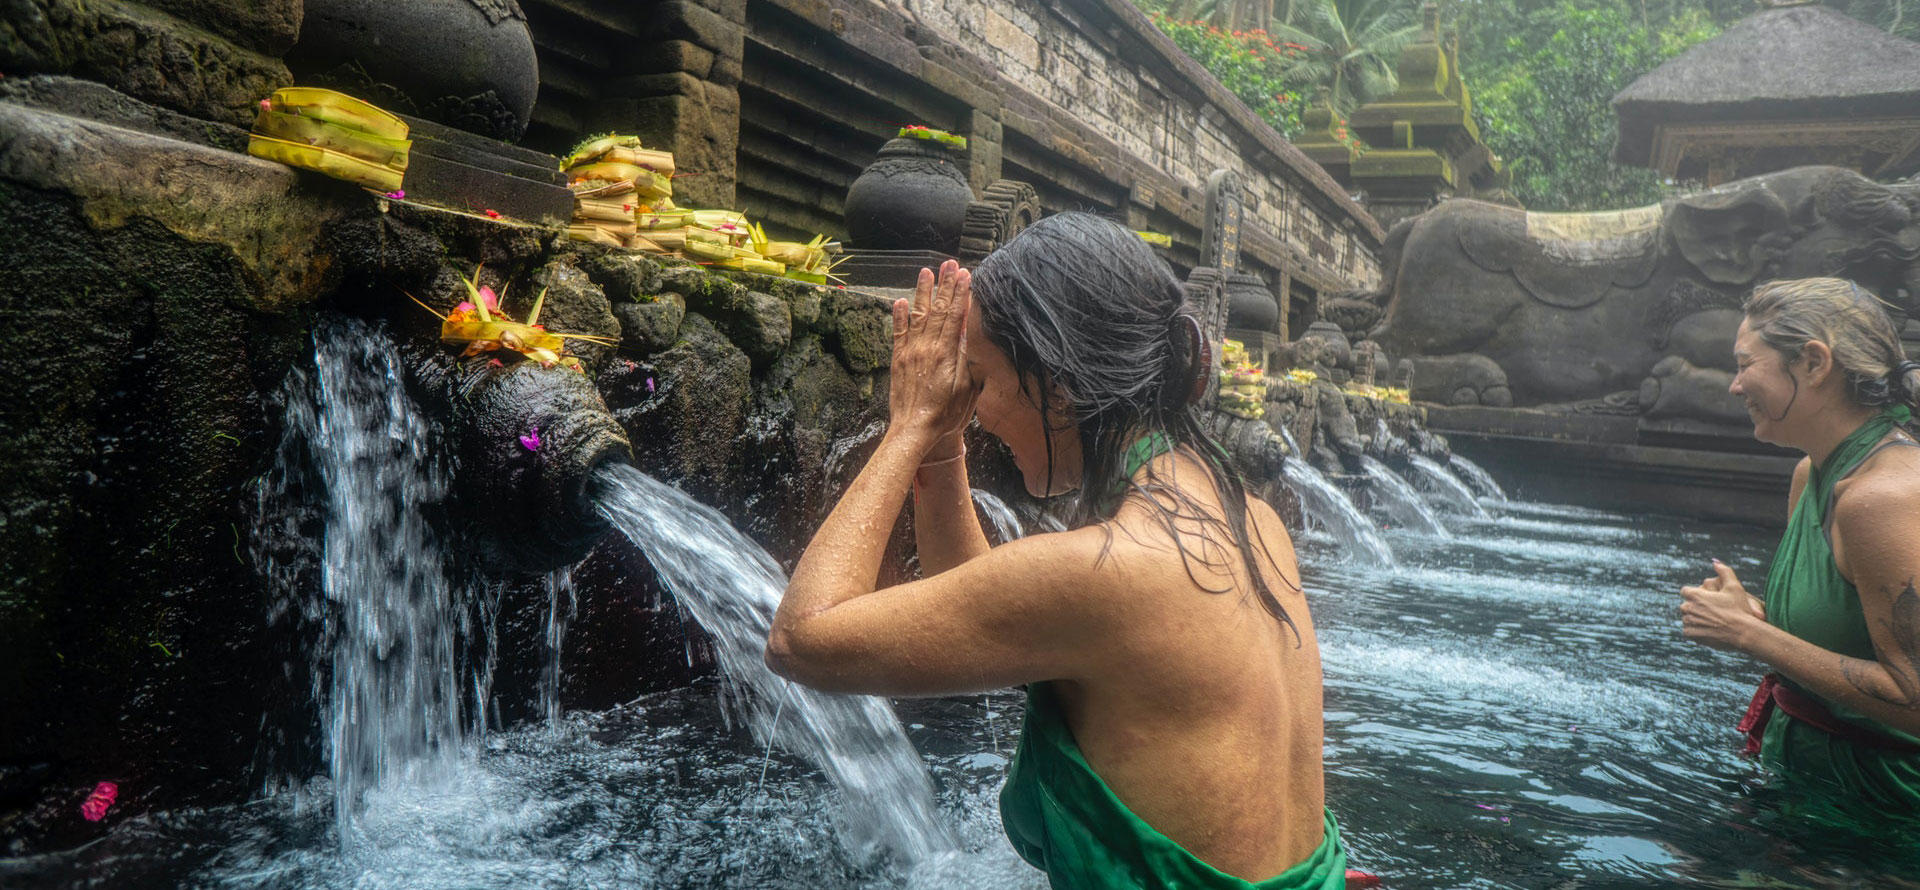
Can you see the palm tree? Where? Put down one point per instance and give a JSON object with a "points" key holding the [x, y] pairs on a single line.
{"points": [[1351, 47]]}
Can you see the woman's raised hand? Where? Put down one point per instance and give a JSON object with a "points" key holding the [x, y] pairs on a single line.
{"points": [[931, 394]]}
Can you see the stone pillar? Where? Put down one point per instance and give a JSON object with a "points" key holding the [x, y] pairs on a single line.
{"points": [[679, 90], [1220, 232], [984, 140]]}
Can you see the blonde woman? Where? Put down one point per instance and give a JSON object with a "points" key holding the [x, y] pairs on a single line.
{"points": [[1822, 371]]}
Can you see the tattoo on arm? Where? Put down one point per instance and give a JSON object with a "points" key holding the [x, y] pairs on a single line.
{"points": [[1903, 663]]}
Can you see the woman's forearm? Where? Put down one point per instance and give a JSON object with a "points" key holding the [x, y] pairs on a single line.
{"points": [[946, 530], [1861, 684], [843, 559]]}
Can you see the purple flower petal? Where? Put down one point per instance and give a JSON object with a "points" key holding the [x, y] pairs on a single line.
{"points": [[531, 441], [649, 384]]}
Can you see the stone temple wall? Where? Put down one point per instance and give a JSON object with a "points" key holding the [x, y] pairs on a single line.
{"points": [[1109, 71], [779, 104]]}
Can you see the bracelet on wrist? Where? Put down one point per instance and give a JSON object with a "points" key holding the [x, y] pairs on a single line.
{"points": [[947, 460]]}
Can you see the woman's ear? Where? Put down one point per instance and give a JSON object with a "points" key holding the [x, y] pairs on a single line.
{"points": [[1816, 362]]}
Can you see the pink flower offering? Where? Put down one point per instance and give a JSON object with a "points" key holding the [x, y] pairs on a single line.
{"points": [[97, 803], [487, 294], [531, 441]]}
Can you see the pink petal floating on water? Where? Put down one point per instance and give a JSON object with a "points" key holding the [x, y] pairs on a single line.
{"points": [[1485, 807], [531, 441], [97, 803]]}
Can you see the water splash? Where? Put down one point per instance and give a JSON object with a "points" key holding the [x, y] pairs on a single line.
{"points": [[1477, 475], [1400, 501], [732, 587], [1446, 489], [384, 606], [1390, 444], [559, 587], [1000, 517], [1329, 508]]}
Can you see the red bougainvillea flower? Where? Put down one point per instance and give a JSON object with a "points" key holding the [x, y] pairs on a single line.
{"points": [[492, 213], [97, 803]]}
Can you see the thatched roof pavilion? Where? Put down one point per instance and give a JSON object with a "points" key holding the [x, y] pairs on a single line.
{"points": [[1789, 85]]}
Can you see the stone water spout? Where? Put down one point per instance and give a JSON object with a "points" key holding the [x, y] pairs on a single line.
{"points": [[527, 440]]}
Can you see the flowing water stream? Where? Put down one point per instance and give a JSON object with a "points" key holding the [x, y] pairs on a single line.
{"points": [[1444, 489], [1482, 481], [732, 587], [1400, 502]]}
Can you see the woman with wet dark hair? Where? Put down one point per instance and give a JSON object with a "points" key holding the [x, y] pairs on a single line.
{"points": [[1822, 370], [1173, 727]]}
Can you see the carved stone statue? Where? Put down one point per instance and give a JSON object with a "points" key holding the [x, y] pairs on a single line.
{"points": [[1498, 306]]}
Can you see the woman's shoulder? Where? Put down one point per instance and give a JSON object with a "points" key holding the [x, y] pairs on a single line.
{"points": [[1886, 488]]}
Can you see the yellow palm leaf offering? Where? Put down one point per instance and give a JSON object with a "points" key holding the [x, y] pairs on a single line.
{"points": [[334, 134], [811, 261], [480, 326], [1243, 388], [1302, 376], [615, 182], [1396, 395]]}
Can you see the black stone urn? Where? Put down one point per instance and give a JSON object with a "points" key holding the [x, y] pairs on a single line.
{"points": [[1250, 304], [912, 197], [468, 64]]}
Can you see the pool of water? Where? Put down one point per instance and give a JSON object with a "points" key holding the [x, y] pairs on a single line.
{"points": [[1509, 707]]}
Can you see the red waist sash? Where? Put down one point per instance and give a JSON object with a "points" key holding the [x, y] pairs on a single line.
{"points": [[1811, 711]]}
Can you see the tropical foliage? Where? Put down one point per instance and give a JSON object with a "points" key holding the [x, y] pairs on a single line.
{"points": [[1548, 112], [1249, 63], [1542, 72], [1352, 46]]}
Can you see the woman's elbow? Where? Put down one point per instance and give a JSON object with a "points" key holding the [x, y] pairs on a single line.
{"points": [[799, 656], [781, 655]]}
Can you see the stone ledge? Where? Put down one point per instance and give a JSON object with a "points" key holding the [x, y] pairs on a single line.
{"points": [[203, 194], [144, 53]]}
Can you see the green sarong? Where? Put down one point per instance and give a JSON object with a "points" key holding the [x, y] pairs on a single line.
{"points": [[1064, 820], [1808, 597]]}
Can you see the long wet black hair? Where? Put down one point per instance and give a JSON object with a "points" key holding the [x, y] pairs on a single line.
{"points": [[1102, 337]]}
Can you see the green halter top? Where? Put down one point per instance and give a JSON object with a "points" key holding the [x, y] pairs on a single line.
{"points": [[1064, 820], [1809, 598]]}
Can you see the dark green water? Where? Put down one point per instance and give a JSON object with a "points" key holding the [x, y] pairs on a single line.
{"points": [[1513, 707]]}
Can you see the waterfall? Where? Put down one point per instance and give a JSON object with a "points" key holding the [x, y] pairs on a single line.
{"points": [[1000, 517], [1447, 489], [1326, 506], [1400, 501], [559, 586], [732, 587], [1481, 479], [385, 667]]}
